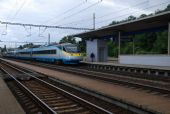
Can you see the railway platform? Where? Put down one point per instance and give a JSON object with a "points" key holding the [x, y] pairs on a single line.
{"points": [[127, 65], [138, 97], [8, 103], [130, 68]]}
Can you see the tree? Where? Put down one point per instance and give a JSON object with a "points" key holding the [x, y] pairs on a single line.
{"points": [[142, 16], [167, 8], [159, 11], [82, 46], [130, 18], [4, 49], [20, 47], [68, 39], [112, 49], [145, 43], [160, 45], [113, 23], [29, 45]]}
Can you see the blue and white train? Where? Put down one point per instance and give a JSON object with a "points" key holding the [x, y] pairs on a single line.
{"points": [[66, 53]]}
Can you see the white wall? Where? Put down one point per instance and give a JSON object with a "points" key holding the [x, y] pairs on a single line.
{"points": [[157, 60], [93, 47], [102, 43]]}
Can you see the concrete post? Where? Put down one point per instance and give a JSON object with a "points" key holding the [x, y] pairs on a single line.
{"points": [[119, 45], [169, 38], [133, 46]]}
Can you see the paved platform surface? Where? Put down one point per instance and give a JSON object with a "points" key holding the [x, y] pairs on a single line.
{"points": [[8, 103], [129, 65], [158, 103]]}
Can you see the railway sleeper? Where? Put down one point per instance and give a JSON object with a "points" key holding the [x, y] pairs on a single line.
{"points": [[61, 103], [71, 110]]}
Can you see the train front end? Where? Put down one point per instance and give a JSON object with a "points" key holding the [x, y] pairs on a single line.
{"points": [[71, 54]]}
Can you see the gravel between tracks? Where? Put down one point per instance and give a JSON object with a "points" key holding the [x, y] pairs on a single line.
{"points": [[140, 97]]}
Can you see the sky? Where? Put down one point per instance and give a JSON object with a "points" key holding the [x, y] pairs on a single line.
{"points": [[66, 13]]}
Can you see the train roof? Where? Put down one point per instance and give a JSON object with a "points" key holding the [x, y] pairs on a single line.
{"points": [[44, 47]]}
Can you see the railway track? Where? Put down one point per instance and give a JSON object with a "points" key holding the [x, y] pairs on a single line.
{"points": [[40, 96], [141, 73], [27, 103], [50, 98], [155, 87]]}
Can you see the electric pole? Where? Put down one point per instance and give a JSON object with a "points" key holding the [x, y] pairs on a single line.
{"points": [[94, 21], [48, 38]]}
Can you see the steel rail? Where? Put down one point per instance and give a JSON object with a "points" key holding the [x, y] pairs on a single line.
{"points": [[134, 107], [89, 73], [68, 93], [43, 104]]}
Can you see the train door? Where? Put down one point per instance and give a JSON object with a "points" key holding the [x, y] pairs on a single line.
{"points": [[59, 51], [101, 54], [59, 55], [31, 54]]}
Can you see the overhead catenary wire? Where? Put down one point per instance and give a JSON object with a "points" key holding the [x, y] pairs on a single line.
{"points": [[29, 32], [102, 16], [67, 11], [5, 32], [10, 43], [75, 22], [78, 12], [135, 11], [125, 9], [130, 13], [46, 26], [43, 26], [111, 19], [19, 9], [19, 42], [41, 32], [10, 12]]}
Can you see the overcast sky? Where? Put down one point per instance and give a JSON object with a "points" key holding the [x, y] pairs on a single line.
{"points": [[72, 13]]}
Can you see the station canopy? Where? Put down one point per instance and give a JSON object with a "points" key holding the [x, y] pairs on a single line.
{"points": [[150, 22]]}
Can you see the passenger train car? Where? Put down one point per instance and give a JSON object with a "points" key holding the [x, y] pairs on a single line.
{"points": [[66, 53]]}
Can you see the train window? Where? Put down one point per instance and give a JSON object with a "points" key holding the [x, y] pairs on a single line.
{"points": [[24, 52], [50, 51], [64, 49], [60, 47], [45, 52], [71, 48], [54, 51]]}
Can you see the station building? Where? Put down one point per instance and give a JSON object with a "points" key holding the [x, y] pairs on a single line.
{"points": [[96, 40]]}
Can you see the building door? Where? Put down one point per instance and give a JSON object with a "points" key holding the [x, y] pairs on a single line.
{"points": [[101, 54]]}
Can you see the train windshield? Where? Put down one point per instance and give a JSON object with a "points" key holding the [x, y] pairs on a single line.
{"points": [[71, 49]]}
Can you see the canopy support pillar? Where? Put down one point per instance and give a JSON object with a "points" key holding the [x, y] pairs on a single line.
{"points": [[169, 38], [119, 42]]}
